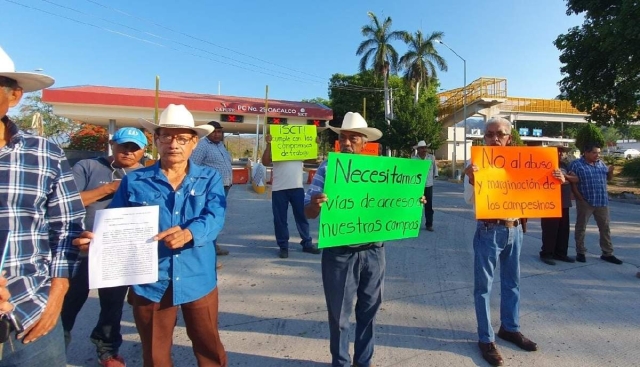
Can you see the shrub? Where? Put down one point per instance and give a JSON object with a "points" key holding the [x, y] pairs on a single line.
{"points": [[589, 134], [515, 138], [631, 169]]}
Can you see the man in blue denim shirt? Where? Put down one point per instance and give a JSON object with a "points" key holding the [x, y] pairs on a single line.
{"points": [[353, 270], [192, 205], [497, 239]]}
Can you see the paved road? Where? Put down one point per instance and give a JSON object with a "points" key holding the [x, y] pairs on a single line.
{"points": [[272, 311]]}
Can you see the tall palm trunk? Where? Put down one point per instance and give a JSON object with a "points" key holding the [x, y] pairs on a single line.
{"points": [[415, 100]]}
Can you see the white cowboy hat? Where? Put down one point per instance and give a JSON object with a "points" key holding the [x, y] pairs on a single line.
{"points": [[29, 82], [421, 144], [177, 117], [353, 121]]}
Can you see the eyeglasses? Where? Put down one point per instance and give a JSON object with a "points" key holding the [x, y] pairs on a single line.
{"points": [[167, 139], [499, 134]]}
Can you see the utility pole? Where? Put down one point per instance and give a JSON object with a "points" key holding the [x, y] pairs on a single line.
{"points": [[388, 111], [364, 108]]}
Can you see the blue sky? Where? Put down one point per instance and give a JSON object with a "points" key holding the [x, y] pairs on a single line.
{"points": [[292, 46]]}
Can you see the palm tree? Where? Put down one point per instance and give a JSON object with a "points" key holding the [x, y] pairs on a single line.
{"points": [[378, 51], [421, 60]]}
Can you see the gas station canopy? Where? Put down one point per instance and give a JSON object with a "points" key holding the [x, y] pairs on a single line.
{"points": [[100, 105]]}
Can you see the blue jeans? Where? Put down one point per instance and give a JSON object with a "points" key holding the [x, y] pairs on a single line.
{"points": [[347, 273], [280, 201], [48, 351], [493, 241], [106, 335]]}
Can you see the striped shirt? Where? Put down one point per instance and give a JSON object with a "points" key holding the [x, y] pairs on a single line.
{"points": [[214, 155], [40, 205], [592, 183], [317, 187]]}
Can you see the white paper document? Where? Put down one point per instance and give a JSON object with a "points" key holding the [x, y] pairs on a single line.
{"points": [[123, 251]]}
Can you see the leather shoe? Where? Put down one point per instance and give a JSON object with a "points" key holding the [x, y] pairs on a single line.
{"points": [[612, 259], [518, 339], [283, 254], [581, 258], [491, 354], [564, 258], [311, 250], [547, 260]]}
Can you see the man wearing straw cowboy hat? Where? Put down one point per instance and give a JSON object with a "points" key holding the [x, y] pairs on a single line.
{"points": [[349, 271], [421, 147], [43, 211], [192, 206]]}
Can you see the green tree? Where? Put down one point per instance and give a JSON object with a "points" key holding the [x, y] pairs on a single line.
{"points": [[515, 138], [412, 122], [610, 136], [601, 71], [589, 134], [379, 52], [377, 49], [634, 132], [421, 59], [55, 128], [318, 100]]}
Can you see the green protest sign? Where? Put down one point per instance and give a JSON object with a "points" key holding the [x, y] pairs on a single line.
{"points": [[293, 142], [371, 199]]}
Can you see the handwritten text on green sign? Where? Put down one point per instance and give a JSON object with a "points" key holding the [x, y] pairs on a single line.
{"points": [[371, 199]]}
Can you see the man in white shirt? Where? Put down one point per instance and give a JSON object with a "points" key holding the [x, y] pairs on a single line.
{"points": [[286, 188], [421, 147]]}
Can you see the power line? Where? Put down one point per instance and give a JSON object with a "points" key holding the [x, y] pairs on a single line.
{"points": [[201, 40], [154, 43], [179, 43], [353, 88]]}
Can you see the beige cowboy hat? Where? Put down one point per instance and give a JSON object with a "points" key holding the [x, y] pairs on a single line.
{"points": [[29, 82], [353, 121], [421, 144], [177, 117]]}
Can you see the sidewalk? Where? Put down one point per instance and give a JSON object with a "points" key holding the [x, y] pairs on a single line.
{"points": [[273, 314]]}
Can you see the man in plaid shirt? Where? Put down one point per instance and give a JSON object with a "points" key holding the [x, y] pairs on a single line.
{"points": [[211, 152], [41, 207], [592, 199]]}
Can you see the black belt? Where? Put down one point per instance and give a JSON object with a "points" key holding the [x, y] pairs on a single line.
{"points": [[500, 222]]}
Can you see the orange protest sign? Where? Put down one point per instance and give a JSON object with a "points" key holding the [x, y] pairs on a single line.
{"points": [[516, 182], [369, 148]]}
